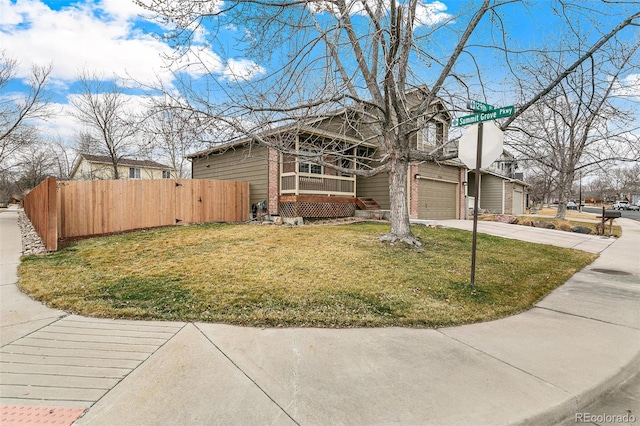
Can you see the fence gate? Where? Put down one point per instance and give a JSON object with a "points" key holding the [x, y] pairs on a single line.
{"points": [[85, 208]]}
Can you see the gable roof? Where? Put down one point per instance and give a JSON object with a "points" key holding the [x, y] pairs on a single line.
{"points": [[308, 126], [104, 159], [304, 128]]}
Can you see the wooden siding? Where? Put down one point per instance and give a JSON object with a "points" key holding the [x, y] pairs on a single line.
{"points": [[338, 125], [492, 194], [439, 172], [245, 163], [376, 187], [86, 170]]}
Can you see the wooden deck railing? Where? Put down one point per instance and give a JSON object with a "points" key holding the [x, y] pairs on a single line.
{"points": [[314, 184]]}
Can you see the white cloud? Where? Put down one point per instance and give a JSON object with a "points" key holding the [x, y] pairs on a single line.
{"points": [[426, 13], [122, 9], [242, 69], [61, 124], [432, 13], [100, 38], [199, 61], [628, 86], [74, 39]]}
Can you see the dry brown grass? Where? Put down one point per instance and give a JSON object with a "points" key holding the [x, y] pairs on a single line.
{"points": [[326, 276], [571, 214]]}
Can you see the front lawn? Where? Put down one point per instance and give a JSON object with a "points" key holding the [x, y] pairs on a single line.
{"points": [[324, 276]]}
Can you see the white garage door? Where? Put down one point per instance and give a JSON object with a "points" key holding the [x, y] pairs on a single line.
{"points": [[518, 202], [437, 200]]}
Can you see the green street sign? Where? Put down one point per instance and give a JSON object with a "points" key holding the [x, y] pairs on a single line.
{"points": [[484, 116], [478, 106]]}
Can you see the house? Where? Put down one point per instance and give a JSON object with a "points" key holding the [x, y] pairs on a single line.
{"points": [[100, 167], [285, 182], [502, 189]]}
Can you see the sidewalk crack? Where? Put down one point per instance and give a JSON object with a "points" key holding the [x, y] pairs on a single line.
{"points": [[586, 317], [502, 361], [247, 376]]}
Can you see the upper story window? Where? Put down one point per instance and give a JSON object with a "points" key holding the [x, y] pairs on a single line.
{"points": [[134, 173], [166, 174], [310, 168], [431, 136]]}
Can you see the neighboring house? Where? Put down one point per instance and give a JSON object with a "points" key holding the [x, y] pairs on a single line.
{"points": [[99, 167], [288, 185], [502, 189]]}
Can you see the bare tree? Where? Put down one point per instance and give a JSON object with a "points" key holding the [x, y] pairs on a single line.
{"points": [[103, 108], [17, 114], [172, 131], [622, 181], [360, 57], [541, 181], [65, 157], [35, 163], [85, 143], [579, 124]]}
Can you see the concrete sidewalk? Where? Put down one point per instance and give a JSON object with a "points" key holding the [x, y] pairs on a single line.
{"points": [[539, 367]]}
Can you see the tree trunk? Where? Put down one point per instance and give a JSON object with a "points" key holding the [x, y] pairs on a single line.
{"points": [[564, 188], [400, 227]]}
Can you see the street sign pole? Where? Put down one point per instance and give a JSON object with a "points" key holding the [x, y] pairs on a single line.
{"points": [[476, 203], [482, 112]]}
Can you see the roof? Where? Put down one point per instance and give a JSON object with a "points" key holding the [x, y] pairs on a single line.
{"points": [[282, 129], [503, 177], [307, 127], [104, 159]]}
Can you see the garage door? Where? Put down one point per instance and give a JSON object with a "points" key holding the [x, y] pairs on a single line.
{"points": [[437, 200], [518, 202]]}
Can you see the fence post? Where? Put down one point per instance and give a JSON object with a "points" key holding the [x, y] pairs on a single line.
{"points": [[52, 215]]}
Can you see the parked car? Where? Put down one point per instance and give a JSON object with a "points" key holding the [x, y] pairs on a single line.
{"points": [[621, 205], [572, 206], [635, 207]]}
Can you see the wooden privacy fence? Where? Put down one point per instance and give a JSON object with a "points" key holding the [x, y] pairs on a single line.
{"points": [[40, 206], [71, 209]]}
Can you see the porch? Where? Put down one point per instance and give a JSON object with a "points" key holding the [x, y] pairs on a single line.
{"points": [[293, 183], [316, 206], [311, 190]]}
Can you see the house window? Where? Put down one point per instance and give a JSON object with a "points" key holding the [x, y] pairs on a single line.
{"points": [[310, 168], [431, 136], [345, 162], [166, 174], [134, 173], [364, 155]]}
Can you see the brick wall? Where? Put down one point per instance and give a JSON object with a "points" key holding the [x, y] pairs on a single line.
{"points": [[413, 191], [274, 180]]}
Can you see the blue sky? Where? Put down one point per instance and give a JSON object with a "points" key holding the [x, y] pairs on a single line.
{"points": [[109, 38]]}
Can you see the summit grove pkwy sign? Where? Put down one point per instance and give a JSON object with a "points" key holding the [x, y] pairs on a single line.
{"points": [[484, 116], [477, 155]]}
